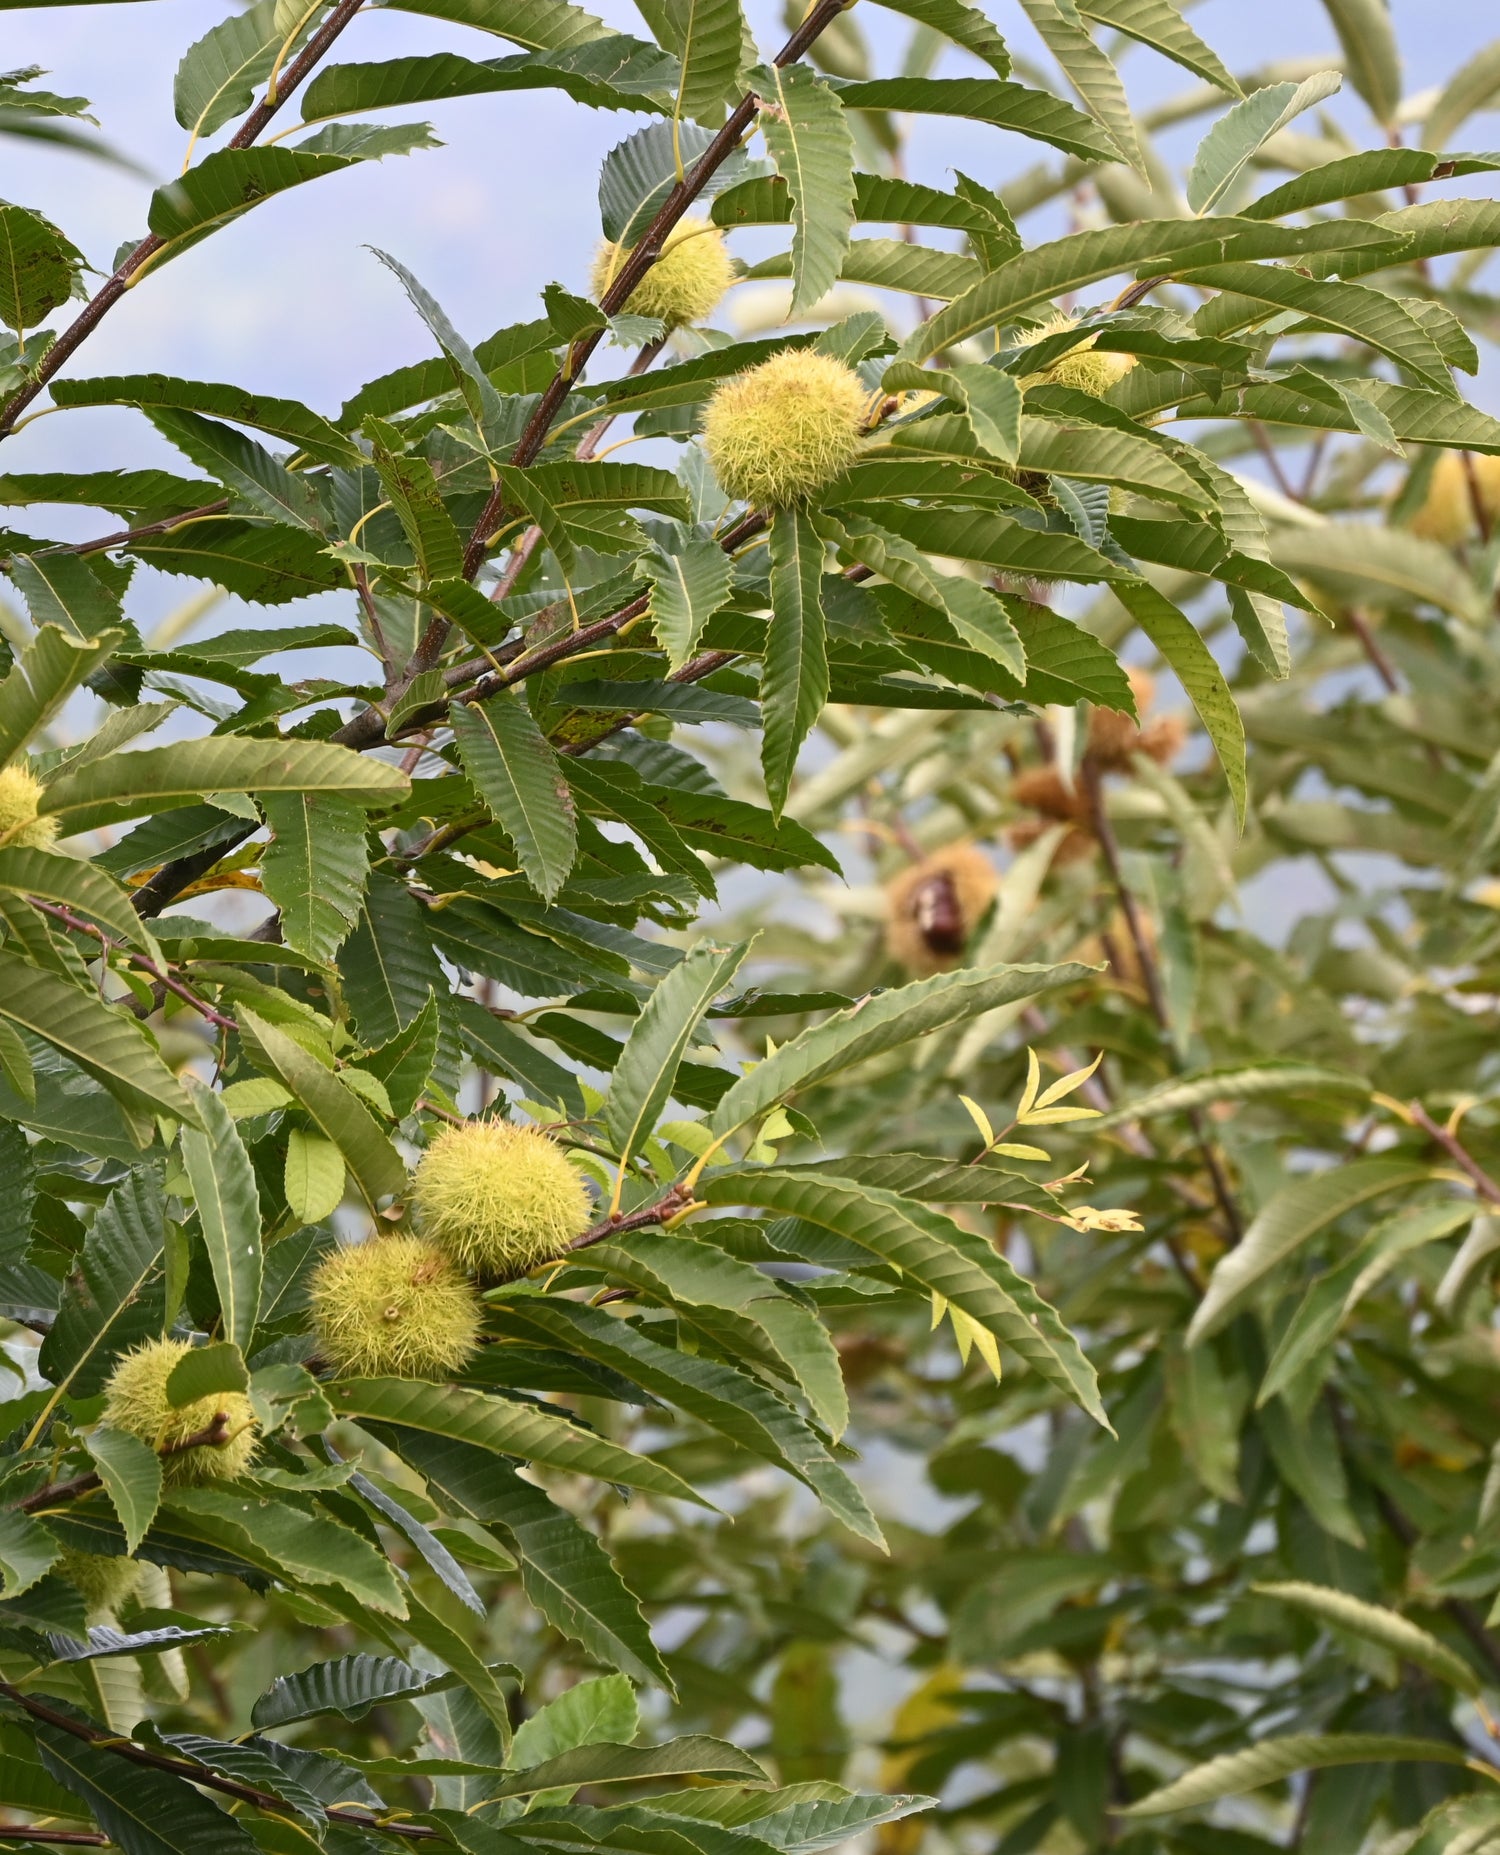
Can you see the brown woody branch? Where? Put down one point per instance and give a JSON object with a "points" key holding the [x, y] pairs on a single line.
{"points": [[109, 293], [199, 1774], [213, 1435], [642, 257], [367, 729], [1456, 1151], [1156, 995], [166, 980], [665, 1208], [71, 1838]]}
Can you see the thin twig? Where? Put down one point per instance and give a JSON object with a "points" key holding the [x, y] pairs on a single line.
{"points": [[665, 1208], [200, 1774], [526, 546], [213, 1435], [1156, 995], [1267, 450], [1456, 1151], [124, 536], [642, 256], [168, 981], [114, 287], [71, 1838]]}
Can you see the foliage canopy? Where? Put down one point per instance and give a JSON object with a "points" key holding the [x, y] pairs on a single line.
{"points": [[366, 1456]]}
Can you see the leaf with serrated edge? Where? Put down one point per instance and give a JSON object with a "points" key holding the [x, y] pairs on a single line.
{"points": [[813, 148], [224, 1190], [1229, 145], [647, 1067], [935, 1252], [506, 1429], [131, 1473], [1387, 1629], [516, 772], [1271, 1760], [1288, 1219]]}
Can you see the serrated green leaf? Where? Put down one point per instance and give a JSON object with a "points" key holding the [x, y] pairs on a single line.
{"points": [[647, 1067], [83, 887], [1198, 671], [1089, 71], [305, 1548], [794, 676], [1034, 113], [41, 679], [719, 1395], [813, 148], [218, 75], [412, 488], [231, 181], [112, 1303], [881, 1022], [1367, 37], [349, 1686], [495, 1424], [27, 1552], [968, 26], [566, 1572], [61, 589], [690, 577], [710, 36], [1232, 1083], [315, 868], [1288, 1219], [1051, 270], [337, 1111], [282, 418], [155, 779], [542, 25], [101, 1039], [223, 1182], [517, 774], [37, 267], [313, 1176], [1160, 25], [258, 483], [147, 1812], [936, 1253], [1227, 148], [1387, 1629], [1271, 1760]]}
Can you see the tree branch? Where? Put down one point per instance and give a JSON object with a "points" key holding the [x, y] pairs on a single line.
{"points": [[109, 293], [167, 981], [1456, 1151], [200, 1774], [644, 254], [1156, 995], [213, 1435]]}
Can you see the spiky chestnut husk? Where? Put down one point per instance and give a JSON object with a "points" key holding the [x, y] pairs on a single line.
{"points": [[685, 284], [499, 1198], [1113, 735], [395, 1307], [103, 1582], [780, 432], [20, 794], [1082, 367], [933, 908], [135, 1399], [1447, 515], [1043, 789]]}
